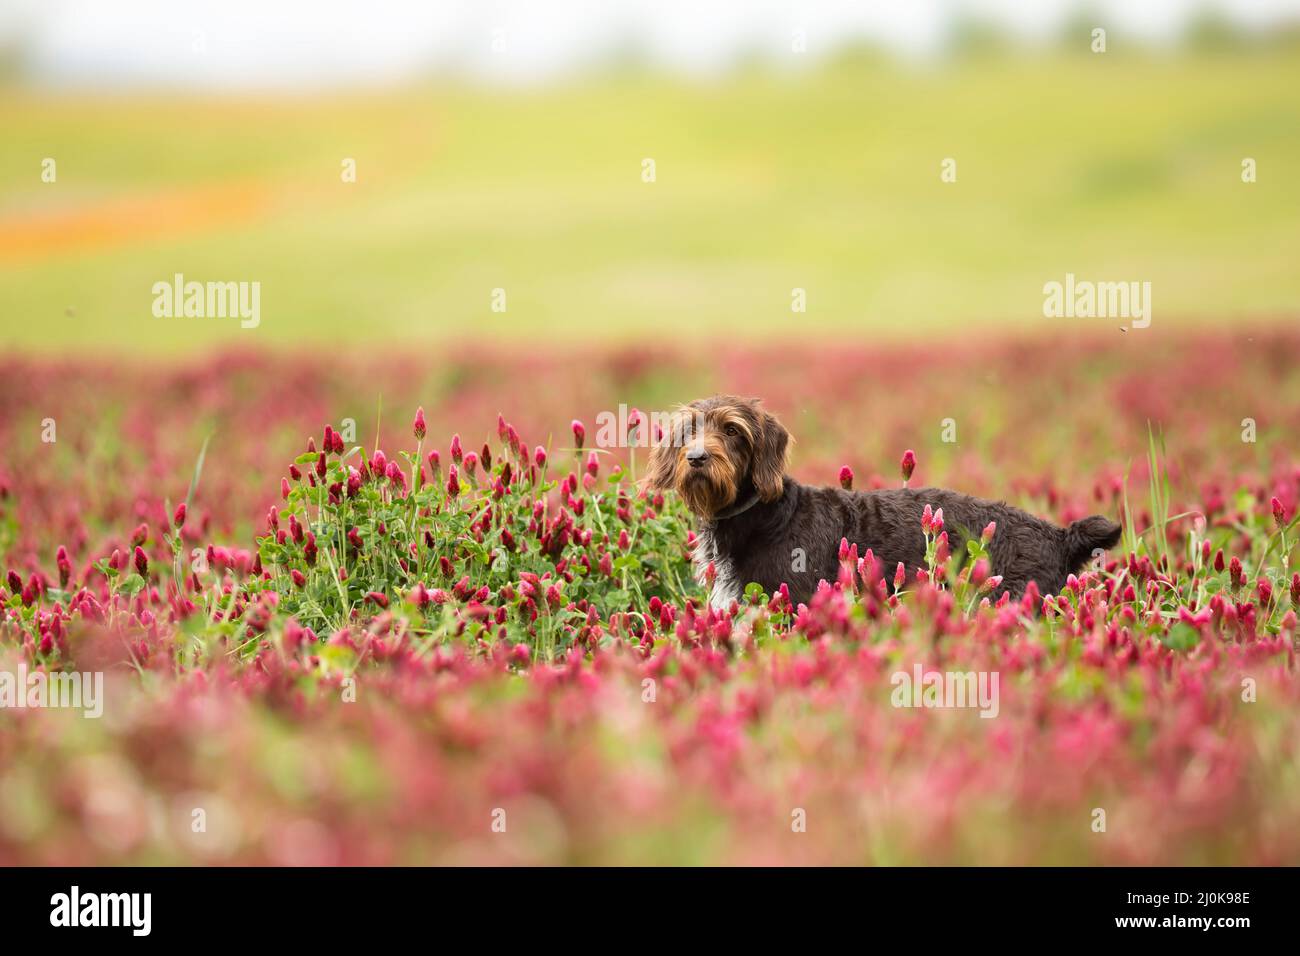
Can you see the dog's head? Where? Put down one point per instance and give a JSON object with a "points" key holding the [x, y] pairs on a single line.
{"points": [[717, 449]]}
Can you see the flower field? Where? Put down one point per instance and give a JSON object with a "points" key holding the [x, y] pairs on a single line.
{"points": [[334, 629]]}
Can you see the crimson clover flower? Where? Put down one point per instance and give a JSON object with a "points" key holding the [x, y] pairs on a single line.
{"points": [[908, 465]]}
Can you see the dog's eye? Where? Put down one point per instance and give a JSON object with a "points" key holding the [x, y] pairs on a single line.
{"points": [[732, 431]]}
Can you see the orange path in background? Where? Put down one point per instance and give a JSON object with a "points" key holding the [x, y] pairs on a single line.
{"points": [[111, 222]]}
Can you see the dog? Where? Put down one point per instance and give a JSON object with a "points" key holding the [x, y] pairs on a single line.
{"points": [[726, 458]]}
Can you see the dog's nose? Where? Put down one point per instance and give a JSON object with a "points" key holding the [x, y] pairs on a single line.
{"points": [[697, 456]]}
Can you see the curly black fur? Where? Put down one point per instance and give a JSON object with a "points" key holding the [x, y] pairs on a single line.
{"points": [[760, 544]]}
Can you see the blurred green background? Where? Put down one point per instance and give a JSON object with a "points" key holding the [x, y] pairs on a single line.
{"points": [[1118, 166]]}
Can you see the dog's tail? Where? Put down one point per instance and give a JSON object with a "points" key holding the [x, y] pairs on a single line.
{"points": [[1088, 537]]}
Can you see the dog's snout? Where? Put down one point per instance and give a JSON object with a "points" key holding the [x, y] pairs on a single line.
{"points": [[696, 455]]}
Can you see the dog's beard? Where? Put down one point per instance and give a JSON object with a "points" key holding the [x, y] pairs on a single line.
{"points": [[707, 490]]}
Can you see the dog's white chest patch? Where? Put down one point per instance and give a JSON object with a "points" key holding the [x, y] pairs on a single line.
{"points": [[726, 585]]}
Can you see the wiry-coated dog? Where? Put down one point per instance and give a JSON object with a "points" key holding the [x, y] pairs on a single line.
{"points": [[726, 458]]}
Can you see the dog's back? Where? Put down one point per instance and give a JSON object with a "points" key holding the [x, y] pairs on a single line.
{"points": [[796, 539]]}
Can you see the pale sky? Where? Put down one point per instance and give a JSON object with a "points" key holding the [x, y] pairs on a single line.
{"points": [[229, 44]]}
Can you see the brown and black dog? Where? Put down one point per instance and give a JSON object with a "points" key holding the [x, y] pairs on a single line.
{"points": [[726, 458]]}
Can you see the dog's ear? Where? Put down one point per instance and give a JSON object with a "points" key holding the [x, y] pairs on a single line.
{"points": [[770, 450], [661, 469]]}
